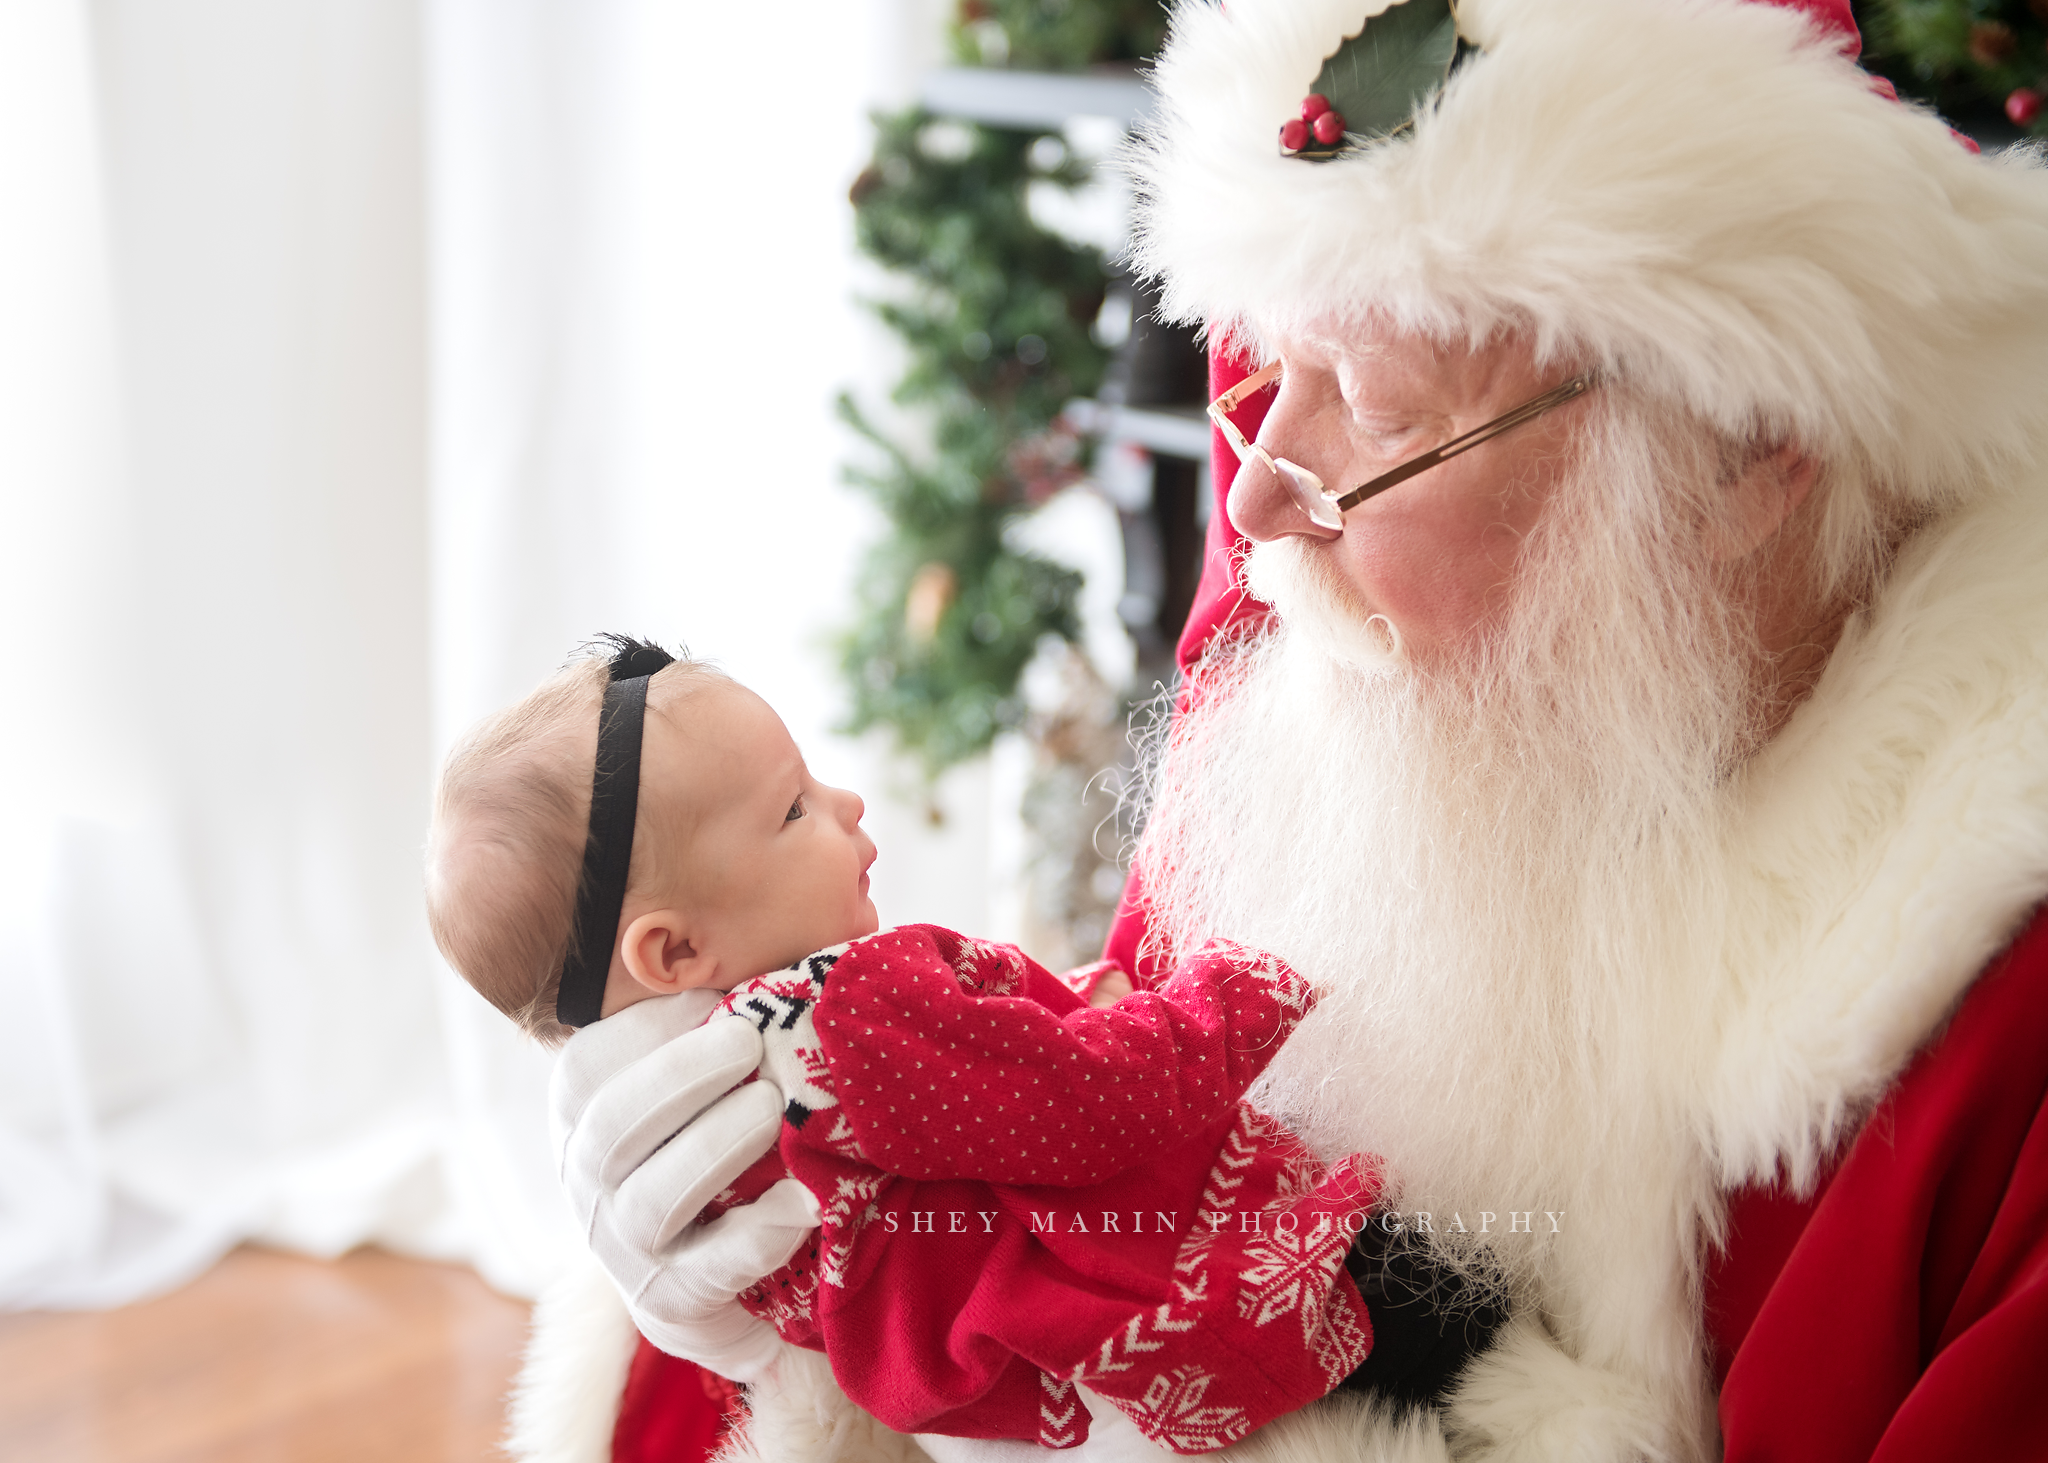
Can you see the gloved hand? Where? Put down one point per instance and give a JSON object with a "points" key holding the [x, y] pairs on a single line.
{"points": [[645, 1141]]}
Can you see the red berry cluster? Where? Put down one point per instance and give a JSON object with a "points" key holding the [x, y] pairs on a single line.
{"points": [[1317, 120], [2023, 106]]}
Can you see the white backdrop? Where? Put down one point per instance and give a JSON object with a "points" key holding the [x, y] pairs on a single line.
{"points": [[358, 357]]}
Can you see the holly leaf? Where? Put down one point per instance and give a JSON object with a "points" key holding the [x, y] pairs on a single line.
{"points": [[1379, 77]]}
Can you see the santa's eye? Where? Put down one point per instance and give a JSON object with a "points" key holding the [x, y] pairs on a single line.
{"points": [[796, 811]]}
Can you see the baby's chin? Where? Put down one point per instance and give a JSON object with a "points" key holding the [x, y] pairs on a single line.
{"points": [[864, 921]]}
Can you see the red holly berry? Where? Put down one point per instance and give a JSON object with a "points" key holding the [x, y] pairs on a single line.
{"points": [[1314, 106], [2023, 106], [1293, 134], [1329, 128]]}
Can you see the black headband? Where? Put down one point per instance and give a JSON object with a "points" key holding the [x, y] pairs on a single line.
{"points": [[608, 852]]}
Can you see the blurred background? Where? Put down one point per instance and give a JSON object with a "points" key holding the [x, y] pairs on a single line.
{"points": [[358, 358]]}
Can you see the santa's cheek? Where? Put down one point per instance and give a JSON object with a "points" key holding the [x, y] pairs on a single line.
{"points": [[1415, 578], [1434, 558]]}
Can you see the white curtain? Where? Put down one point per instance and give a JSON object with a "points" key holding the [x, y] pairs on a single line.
{"points": [[224, 1013], [357, 358]]}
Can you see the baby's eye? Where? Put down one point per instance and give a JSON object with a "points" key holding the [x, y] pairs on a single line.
{"points": [[796, 811]]}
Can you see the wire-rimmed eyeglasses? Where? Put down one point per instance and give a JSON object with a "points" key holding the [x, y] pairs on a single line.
{"points": [[1327, 508]]}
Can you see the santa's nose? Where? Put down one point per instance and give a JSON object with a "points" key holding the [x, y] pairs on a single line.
{"points": [[1262, 507]]}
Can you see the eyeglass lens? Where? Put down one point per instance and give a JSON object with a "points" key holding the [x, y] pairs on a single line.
{"points": [[1308, 493]]}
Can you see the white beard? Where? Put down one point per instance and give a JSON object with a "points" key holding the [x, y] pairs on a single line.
{"points": [[1500, 876]]}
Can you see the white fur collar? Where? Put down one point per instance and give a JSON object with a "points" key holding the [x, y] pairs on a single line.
{"points": [[1896, 834]]}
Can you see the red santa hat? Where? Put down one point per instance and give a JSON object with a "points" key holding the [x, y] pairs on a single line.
{"points": [[1706, 197]]}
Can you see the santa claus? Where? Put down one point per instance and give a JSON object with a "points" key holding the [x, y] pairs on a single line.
{"points": [[1650, 770]]}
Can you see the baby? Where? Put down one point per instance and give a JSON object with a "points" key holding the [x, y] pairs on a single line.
{"points": [[1019, 1190]]}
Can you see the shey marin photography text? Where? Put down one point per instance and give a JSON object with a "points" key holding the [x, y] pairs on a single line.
{"points": [[1137, 1221]]}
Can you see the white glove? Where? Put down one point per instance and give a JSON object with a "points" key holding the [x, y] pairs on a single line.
{"points": [[645, 1142]]}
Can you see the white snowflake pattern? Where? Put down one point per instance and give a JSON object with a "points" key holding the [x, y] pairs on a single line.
{"points": [[1289, 1274], [1173, 1410]]}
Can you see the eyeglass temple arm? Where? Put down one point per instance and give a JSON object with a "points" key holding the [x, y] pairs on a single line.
{"points": [[1485, 432], [1222, 406], [1257, 381]]}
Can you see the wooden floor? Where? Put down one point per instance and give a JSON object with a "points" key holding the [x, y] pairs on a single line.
{"points": [[271, 1358]]}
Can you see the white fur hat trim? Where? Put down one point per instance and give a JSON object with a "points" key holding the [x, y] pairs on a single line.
{"points": [[1705, 196]]}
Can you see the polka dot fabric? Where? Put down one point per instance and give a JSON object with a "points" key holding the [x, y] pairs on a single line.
{"points": [[959, 1058], [1020, 1193]]}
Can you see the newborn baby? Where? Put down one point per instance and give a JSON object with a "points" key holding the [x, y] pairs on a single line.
{"points": [[1018, 1190]]}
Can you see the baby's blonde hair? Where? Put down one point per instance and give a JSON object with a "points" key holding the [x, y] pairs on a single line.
{"points": [[505, 852]]}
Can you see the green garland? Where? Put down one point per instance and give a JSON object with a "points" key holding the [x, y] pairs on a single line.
{"points": [[996, 313], [1057, 35], [1964, 56]]}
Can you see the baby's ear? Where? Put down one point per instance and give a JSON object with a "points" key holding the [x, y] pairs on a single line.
{"points": [[660, 956]]}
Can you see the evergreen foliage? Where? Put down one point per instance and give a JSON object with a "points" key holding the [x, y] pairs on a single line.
{"points": [[1970, 58], [996, 313], [1057, 35]]}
